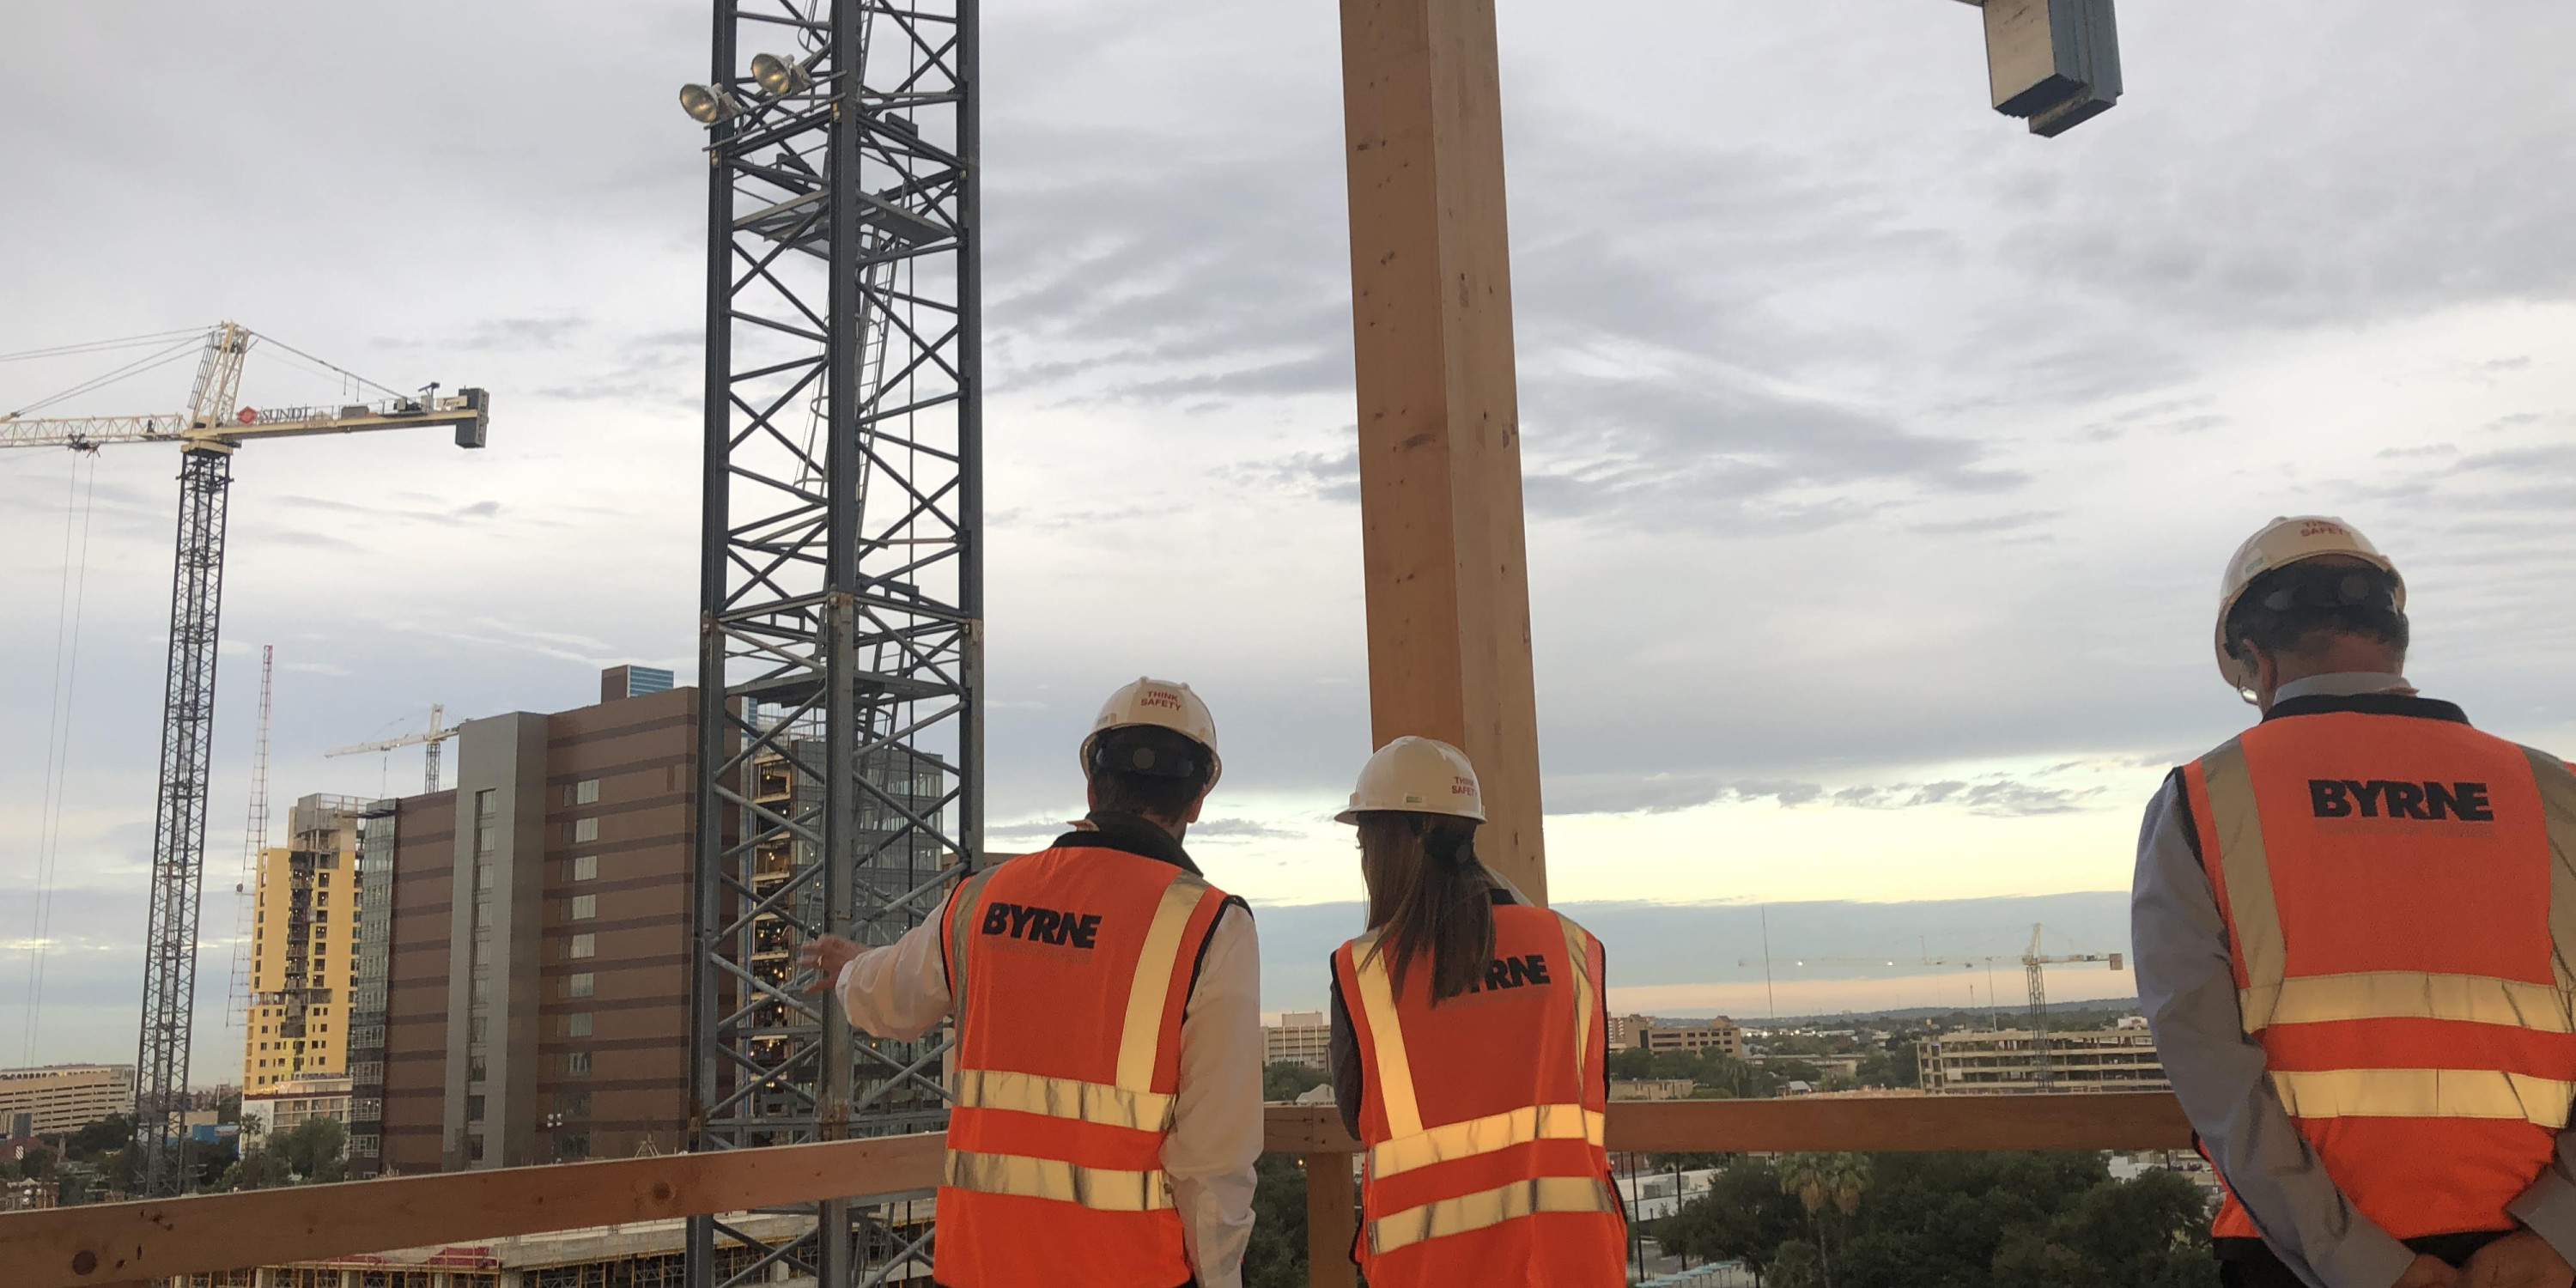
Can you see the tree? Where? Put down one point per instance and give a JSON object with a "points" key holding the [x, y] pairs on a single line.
{"points": [[2145, 1233], [1825, 1182], [314, 1150], [1745, 1216], [1799, 1264], [1897, 1066], [98, 1139], [1284, 1081]]}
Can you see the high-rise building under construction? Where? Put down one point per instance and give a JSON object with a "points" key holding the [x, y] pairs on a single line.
{"points": [[304, 944]]}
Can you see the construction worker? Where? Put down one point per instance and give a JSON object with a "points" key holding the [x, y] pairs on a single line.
{"points": [[1475, 1063], [1107, 1077], [2352, 924]]}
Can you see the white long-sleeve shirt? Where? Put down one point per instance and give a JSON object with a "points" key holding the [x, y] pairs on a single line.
{"points": [[901, 991]]}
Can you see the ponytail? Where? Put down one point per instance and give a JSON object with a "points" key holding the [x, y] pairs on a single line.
{"points": [[1427, 894]]}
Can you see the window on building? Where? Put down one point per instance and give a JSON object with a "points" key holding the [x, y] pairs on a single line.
{"points": [[585, 792], [474, 1068], [474, 1109], [572, 1104], [584, 868], [481, 991], [578, 985], [581, 830], [476, 1026], [577, 1025], [577, 1064], [585, 907], [570, 1145], [474, 1148], [486, 804], [483, 877], [581, 946]]}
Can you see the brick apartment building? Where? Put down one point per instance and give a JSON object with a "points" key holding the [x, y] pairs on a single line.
{"points": [[535, 987]]}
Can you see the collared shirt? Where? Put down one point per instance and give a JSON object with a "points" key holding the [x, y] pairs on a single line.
{"points": [[900, 991], [2187, 987]]}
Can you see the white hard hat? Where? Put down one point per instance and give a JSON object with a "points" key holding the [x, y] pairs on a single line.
{"points": [[1162, 704], [1420, 776], [2282, 542]]}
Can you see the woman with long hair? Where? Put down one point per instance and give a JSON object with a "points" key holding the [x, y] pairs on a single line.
{"points": [[1469, 1052]]}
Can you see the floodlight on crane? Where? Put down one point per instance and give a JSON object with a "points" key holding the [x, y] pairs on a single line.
{"points": [[208, 432], [707, 104], [780, 76]]}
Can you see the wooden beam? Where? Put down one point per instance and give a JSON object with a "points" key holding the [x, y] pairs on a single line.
{"points": [[118, 1243], [1332, 1221], [1897, 1124], [1439, 412], [114, 1243]]}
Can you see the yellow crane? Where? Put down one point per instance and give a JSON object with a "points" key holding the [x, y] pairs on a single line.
{"points": [[208, 431], [439, 731], [2032, 963]]}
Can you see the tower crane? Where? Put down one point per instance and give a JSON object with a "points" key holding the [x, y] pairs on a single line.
{"points": [[211, 428], [2032, 963], [439, 731]]}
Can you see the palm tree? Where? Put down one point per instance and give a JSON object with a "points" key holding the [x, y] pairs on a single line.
{"points": [[1821, 1181]]}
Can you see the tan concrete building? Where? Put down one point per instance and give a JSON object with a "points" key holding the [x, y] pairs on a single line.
{"points": [[304, 936], [65, 1097], [1300, 1037], [1718, 1036], [2006, 1061], [291, 1104]]}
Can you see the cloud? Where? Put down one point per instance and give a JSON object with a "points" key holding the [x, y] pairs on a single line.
{"points": [[1999, 795]]}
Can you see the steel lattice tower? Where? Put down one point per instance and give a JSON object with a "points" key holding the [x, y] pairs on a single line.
{"points": [[179, 819], [841, 586]]}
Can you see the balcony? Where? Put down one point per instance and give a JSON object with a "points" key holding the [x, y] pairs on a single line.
{"points": [[132, 1243]]}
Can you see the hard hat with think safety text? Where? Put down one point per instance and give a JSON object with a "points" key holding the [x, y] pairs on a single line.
{"points": [[1162, 704], [2282, 542], [1420, 776]]}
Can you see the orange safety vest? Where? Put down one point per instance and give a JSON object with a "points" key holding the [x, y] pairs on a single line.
{"points": [[2394, 913], [1070, 969], [1482, 1116]]}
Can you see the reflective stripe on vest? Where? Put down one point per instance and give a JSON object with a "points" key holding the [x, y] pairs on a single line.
{"points": [[1130, 1103], [1099, 1188], [2424, 1093], [1489, 1208], [2269, 995], [1410, 1146]]}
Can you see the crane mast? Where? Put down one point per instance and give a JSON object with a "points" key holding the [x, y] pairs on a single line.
{"points": [[208, 432]]}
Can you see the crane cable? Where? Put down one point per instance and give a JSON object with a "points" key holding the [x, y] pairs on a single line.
{"points": [[79, 508], [127, 372], [102, 346]]}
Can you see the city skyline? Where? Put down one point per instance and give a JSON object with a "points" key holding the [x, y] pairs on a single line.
{"points": [[1879, 467]]}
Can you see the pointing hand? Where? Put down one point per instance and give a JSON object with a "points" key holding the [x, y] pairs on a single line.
{"points": [[828, 954]]}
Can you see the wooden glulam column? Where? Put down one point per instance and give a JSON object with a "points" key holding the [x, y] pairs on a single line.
{"points": [[1439, 414]]}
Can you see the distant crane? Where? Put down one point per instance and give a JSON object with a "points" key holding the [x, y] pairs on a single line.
{"points": [[439, 731], [208, 432], [254, 844], [2032, 963]]}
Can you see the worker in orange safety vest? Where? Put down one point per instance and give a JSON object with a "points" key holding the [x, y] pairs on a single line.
{"points": [[2352, 925], [1470, 1052], [1106, 1081]]}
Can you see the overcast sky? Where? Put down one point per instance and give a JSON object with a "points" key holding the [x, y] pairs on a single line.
{"points": [[1881, 457]]}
